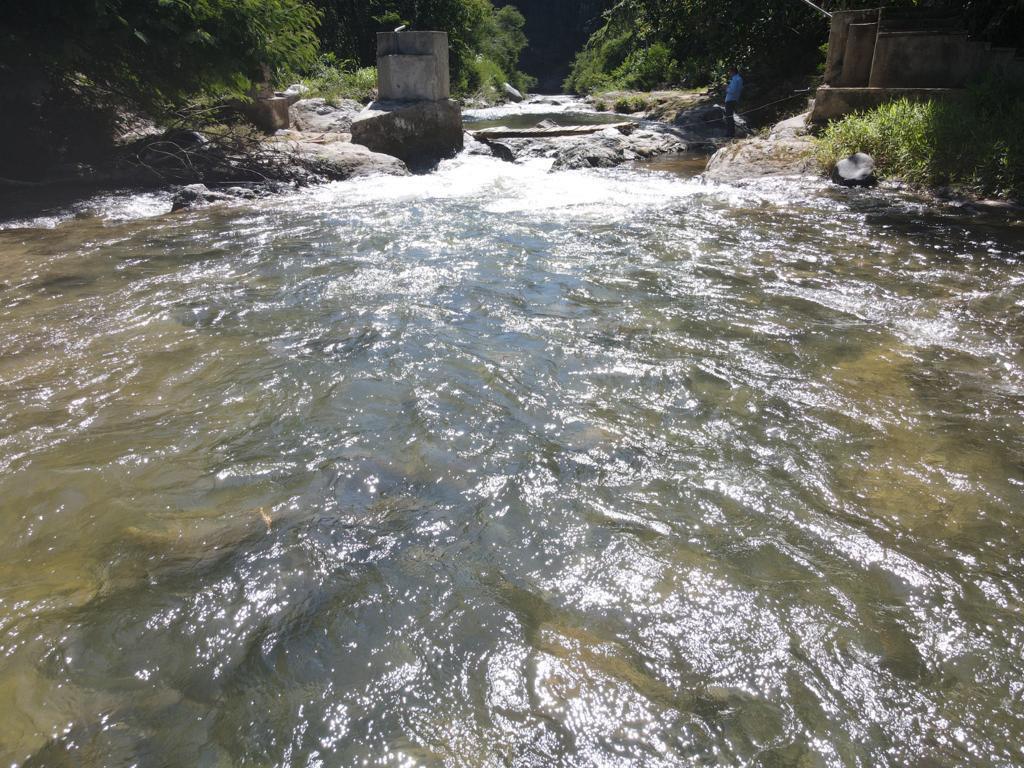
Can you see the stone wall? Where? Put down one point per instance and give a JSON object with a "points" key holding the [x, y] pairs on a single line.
{"points": [[883, 54]]}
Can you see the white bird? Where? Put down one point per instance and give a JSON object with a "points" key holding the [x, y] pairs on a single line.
{"points": [[401, 28]]}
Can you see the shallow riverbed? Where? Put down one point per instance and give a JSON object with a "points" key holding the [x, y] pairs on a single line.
{"points": [[499, 467]]}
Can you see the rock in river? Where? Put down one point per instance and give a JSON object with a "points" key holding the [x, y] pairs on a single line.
{"points": [[512, 93], [786, 151], [339, 160], [317, 116], [196, 194], [857, 170], [612, 147], [418, 132]]}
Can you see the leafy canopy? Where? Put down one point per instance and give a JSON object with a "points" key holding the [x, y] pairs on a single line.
{"points": [[154, 53]]}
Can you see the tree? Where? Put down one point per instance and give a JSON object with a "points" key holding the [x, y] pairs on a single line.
{"points": [[775, 38], [482, 39], [70, 66]]}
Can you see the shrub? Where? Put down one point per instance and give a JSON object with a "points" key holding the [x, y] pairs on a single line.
{"points": [[647, 68], [333, 80], [484, 77], [627, 105], [593, 66], [975, 142]]}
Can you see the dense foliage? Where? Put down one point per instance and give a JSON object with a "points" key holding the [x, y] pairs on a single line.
{"points": [[70, 68], [647, 43], [975, 142], [485, 41], [151, 53]]}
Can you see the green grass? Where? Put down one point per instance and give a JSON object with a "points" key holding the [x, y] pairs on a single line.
{"points": [[333, 80], [974, 143], [628, 105]]}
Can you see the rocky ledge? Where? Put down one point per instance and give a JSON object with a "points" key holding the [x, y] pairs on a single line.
{"points": [[333, 156], [317, 148], [788, 150], [603, 149]]}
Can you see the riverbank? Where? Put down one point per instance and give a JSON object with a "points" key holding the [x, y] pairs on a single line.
{"points": [[197, 169], [789, 149], [217, 165]]}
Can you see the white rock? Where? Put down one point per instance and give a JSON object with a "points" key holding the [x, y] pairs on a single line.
{"points": [[512, 93]]}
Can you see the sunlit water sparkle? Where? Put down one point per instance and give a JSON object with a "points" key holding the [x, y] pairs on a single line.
{"points": [[502, 467]]}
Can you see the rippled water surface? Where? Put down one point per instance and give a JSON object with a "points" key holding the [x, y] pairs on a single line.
{"points": [[497, 467]]}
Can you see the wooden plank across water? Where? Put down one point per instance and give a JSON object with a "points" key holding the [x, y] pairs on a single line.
{"points": [[499, 132]]}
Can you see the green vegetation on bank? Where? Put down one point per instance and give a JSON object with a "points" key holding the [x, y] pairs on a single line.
{"points": [[647, 44], [335, 80], [974, 143], [75, 72]]}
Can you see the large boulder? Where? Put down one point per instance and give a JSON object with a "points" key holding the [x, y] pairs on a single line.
{"points": [[791, 127], [419, 132], [496, 149], [786, 151], [318, 116], [340, 160], [707, 122], [603, 152], [511, 93], [759, 158]]}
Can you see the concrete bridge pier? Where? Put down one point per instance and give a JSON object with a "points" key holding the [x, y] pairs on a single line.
{"points": [[413, 118]]}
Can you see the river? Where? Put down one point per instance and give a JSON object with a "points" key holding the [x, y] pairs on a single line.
{"points": [[502, 467]]}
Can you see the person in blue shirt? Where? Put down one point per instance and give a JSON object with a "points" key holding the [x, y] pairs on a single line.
{"points": [[732, 96]]}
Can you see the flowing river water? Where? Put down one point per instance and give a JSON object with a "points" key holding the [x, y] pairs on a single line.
{"points": [[503, 467]]}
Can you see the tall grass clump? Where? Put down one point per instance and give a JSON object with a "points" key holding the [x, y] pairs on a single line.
{"points": [[975, 142], [334, 80]]}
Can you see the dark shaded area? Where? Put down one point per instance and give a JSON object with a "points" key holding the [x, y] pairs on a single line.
{"points": [[1000, 22], [556, 31], [72, 74]]}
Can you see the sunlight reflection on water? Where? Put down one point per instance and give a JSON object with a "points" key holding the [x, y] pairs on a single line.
{"points": [[498, 466]]}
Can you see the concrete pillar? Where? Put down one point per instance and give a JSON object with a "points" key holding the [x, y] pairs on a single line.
{"points": [[413, 119], [412, 66], [837, 37]]}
